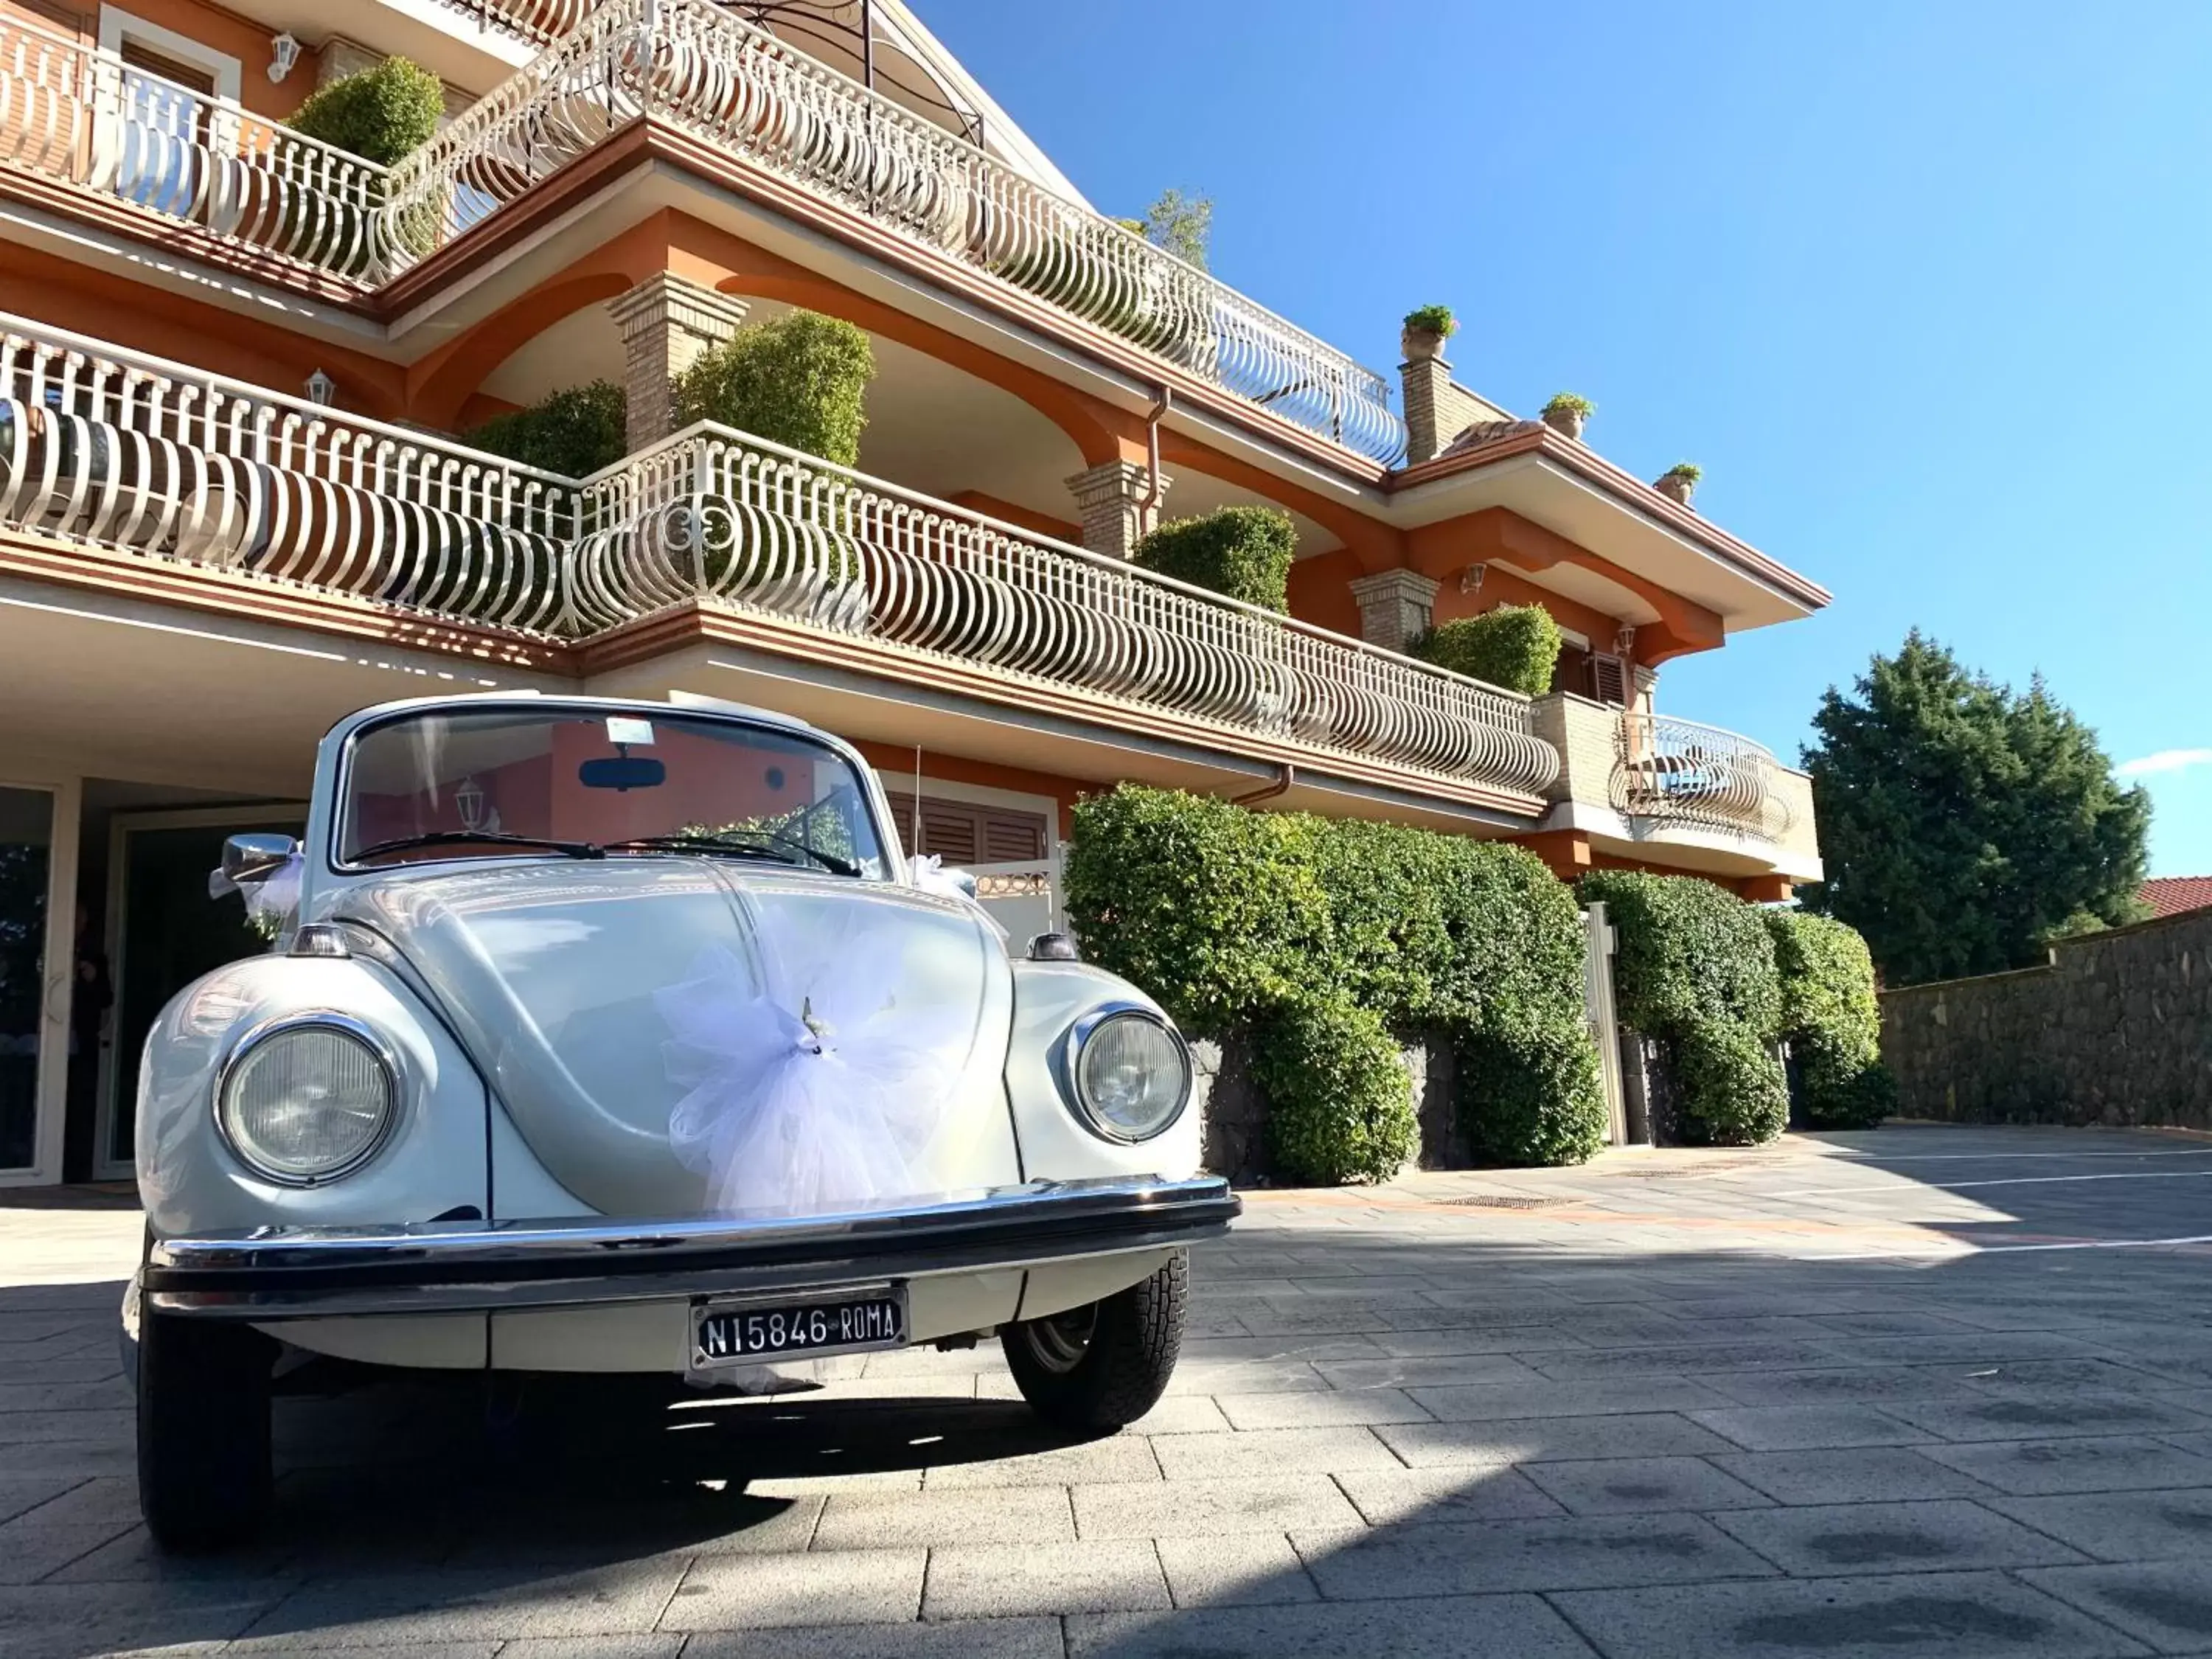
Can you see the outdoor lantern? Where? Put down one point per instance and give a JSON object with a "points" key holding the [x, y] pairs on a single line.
{"points": [[321, 389], [1470, 580], [469, 800], [283, 52]]}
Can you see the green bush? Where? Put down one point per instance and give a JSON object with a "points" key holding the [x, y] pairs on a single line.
{"points": [[800, 381], [1241, 922], [1242, 552], [574, 432], [1431, 319], [1695, 968], [1515, 646], [1340, 1104], [379, 114], [1832, 1020], [1570, 402]]}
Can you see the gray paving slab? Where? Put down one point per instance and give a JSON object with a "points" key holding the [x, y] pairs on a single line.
{"points": [[1118, 1457], [1643, 1485], [965, 1638], [1588, 1398], [2165, 1604], [1835, 1384], [1273, 1452], [1205, 1509], [2138, 1526], [2045, 1417], [1850, 1475], [2089, 1463], [1472, 1491], [1940, 1535], [625, 1598], [1522, 1555], [835, 1587], [1003, 1515], [1979, 1615], [1234, 1569], [1000, 1581], [1438, 1628]]}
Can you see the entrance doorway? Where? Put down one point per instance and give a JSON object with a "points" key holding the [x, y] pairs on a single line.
{"points": [[164, 931], [38, 870]]}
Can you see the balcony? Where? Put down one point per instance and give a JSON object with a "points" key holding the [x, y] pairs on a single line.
{"points": [[82, 121], [273, 496]]}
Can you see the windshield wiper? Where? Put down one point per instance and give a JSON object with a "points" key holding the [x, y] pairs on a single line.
{"points": [[574, 849], [722, 844]]}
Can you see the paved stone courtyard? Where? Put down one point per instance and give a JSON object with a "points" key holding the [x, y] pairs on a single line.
{"points": [[1886, 1394]]}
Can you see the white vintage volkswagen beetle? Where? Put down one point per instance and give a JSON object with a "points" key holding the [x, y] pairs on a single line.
{"points": [[611, 1036]]}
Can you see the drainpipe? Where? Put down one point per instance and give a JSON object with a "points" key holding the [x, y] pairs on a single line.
{"points": [[1153, 490], [1281, 786]]}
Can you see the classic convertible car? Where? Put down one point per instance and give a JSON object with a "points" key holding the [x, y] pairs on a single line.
{"points": [[605, 1036]]}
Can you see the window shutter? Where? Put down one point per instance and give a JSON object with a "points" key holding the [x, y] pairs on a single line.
{"points": [[1608, 679], [962, 832]]}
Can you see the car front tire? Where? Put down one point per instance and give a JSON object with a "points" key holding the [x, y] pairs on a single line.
{"points": [[204, 1478], [1100, 1367]]}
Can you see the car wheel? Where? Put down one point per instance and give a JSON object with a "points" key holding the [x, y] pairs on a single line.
{"points": [[203, 1463], [1101, 1366]]}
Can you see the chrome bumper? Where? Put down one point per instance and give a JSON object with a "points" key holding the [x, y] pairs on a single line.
{"points": [[320, 1273]]}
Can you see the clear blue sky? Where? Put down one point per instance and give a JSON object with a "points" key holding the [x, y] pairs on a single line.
{"points": [[1925, 288]]}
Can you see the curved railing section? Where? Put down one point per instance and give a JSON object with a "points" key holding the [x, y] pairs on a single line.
{"points": [[714, 515], [702, 69], [143, 456], [1668, 771], [84, 117]]}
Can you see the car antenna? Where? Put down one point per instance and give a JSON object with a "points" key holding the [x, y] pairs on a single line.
{"points": [[913, 835]]}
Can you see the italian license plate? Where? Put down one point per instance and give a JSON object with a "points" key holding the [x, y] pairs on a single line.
{"points": [[752, 1332]]}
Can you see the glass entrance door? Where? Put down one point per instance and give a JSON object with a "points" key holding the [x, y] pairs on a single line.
{"points": [[27, 1022], [164, 932]]}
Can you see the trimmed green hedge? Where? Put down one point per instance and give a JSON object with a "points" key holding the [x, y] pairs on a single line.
{"points": [[1325, 939], [1515, 646], [1832, 1021], [379, 114], [574, 432], [1695, 969], [800, 380], [1243, 552]]}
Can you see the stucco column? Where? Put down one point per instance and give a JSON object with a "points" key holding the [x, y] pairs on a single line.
{"points": [[1394, 606], [1111, 499], [667, 323]]}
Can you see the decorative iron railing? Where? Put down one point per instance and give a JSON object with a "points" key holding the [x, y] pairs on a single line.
{"points": [[712, 514], [703, 70], [123, 451], [1672, 771], [83, 117], [541, 21]]}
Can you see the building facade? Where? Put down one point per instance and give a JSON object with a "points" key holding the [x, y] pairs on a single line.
{"points": [[233, 505]]}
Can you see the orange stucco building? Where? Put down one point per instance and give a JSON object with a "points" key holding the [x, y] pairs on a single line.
{"points": [[234, 502]]}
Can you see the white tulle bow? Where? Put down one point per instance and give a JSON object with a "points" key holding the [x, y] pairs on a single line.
{"points": [[272, 902], [929, 874], [813, 1091]]}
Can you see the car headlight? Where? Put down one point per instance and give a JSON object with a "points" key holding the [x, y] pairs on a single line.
{"points": [[305, 1100], [1129, 1073]]}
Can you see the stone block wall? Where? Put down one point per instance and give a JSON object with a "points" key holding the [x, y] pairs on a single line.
{"points": [[2116, 1030]]}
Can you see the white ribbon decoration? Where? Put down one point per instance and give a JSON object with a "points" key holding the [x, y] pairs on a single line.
{"points": [[272, 903], [817, 1092], [927, 874]]}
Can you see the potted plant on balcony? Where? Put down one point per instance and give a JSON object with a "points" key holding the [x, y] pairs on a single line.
{"points": [[1678, 481], [1425, 331], [1566, 413]]}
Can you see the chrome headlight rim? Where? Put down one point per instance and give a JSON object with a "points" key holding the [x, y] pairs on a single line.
{"points": [[379, 1049], [1071, 1079]]}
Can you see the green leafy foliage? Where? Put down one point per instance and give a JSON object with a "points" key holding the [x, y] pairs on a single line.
{"points": [[1242, 552], [1431, 319], [1515, 646], [1182, 224], [1832, 1020], [379, 114], [801, 380], [1688, 471], [1340, 1103], [1570, 402], [1276, 924], [1695, 968], [1962, 825], [574, 432]]}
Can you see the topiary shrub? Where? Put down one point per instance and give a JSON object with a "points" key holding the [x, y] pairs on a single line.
{"points": [[1832, 1021], [1514, 645], [801, 381], [574, 432], [1242, 552], [1695, 968], [1239, 921], [1340, 1103], [379, 114]]}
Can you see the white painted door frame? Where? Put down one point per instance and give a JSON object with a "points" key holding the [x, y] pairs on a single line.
{"points": [[56, 974]]}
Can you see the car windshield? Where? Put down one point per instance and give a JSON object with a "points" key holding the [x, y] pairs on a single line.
{"points": [[556, 782]]}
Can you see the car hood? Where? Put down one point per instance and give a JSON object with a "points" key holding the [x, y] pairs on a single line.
{"points": [[675, 1036]]}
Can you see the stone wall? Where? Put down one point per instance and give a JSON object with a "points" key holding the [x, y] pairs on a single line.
{"points": [[2116, 1030]]}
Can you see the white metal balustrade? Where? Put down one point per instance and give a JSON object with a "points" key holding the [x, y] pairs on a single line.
{"points": [[123, 451], [1670, 771], [83, 117], [702, 69], [711, 513]]}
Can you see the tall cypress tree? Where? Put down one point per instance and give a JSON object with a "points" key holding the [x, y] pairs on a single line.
{"points": [[1963, 825]]}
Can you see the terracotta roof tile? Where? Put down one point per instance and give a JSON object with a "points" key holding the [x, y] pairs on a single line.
{"points": [[1486, 432], [2169, 896]]}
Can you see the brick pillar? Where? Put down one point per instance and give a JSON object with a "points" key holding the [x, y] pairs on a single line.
{"points": [[667, 323], [1427, 383], [1111, 498], [1394, 606]]}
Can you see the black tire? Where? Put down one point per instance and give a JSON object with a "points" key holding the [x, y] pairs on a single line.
{"points": [[1100, 1367], [204, 1462]]}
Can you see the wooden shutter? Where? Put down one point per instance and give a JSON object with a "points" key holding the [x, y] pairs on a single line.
{"points": [[1608, 679], [169, 69], [963, 832]]}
